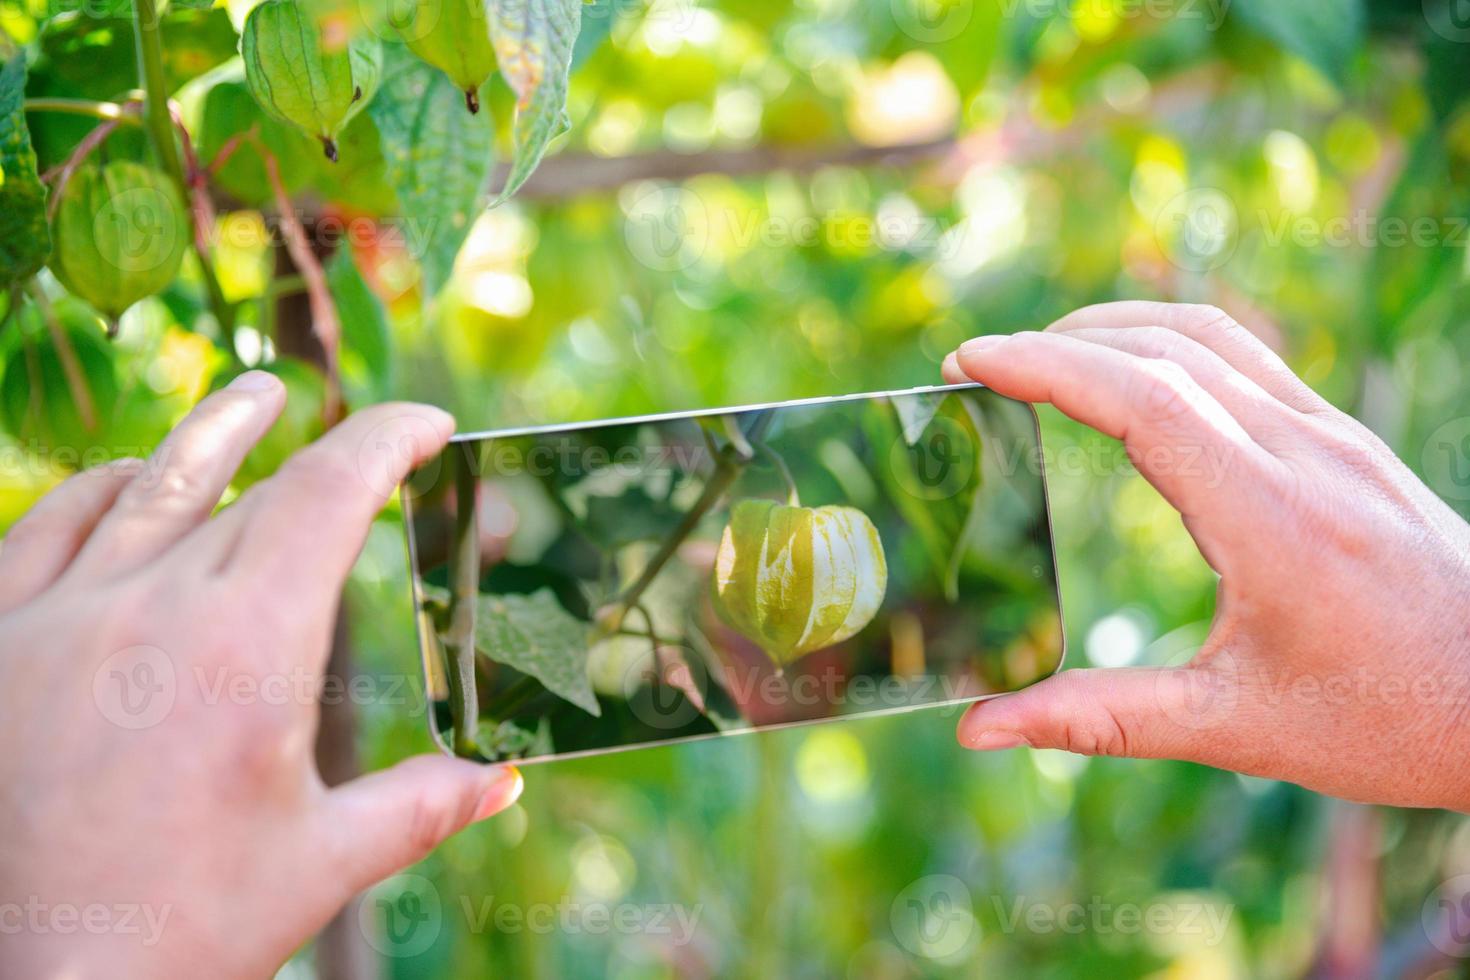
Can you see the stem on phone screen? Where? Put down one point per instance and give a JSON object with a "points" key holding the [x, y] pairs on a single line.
{"points": [[730, 462], [464, 573]]}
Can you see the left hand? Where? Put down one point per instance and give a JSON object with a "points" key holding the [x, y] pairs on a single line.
{"points": [[161, 813]]}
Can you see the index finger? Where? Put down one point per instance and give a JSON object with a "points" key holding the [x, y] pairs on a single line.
{"points": [[1180, 438], [306, 525], [1210, 327]]}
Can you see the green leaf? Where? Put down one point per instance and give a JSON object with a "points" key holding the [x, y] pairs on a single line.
{"points": [[438, 159], [535, 635], [25, 241], [1326, 33], [39, 403], [631, 516], [367, 345], [915, 411], [534, 43]]}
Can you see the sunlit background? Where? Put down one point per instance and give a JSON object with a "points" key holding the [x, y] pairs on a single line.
{"points": [[766, 200]]}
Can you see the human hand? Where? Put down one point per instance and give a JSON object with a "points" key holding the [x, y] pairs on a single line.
{"points": [[1339, 656], [130, 788]]}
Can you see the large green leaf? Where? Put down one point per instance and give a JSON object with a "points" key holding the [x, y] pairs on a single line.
{"points": [[1326, 33], [534, 43], [536, 636], [438, 159], [367, 344], [25, 241]]}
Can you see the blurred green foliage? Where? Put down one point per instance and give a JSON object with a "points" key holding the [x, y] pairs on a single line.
{"points": [[767, 200]]}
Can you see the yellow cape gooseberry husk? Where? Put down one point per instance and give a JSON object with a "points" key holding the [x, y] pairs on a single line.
{"points": [[454, 37], [797, 579]]}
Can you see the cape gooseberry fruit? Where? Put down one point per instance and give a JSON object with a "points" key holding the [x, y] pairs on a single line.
{"points": [[454, 37], [796, 579], [297, 75], [120, 232]]}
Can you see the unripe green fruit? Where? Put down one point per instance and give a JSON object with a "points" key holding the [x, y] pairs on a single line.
{"points": [[120, 233], [796, 579], [297, 76], [453, 36]]}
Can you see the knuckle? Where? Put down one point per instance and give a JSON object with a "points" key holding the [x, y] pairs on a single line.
{"points": [[174, 486], [1100, 734], [433, 819], [1155, 342], [1207, 316], [1164, 391], [1353, 452], [320, 470], [33, 530]]}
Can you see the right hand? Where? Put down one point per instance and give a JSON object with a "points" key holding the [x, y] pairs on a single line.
{"points": [[1339, 657]]}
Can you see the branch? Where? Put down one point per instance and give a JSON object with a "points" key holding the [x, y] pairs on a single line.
{"points": [[729, 464], [1020, 138], [464, 584], [62, 173], [159, 121], [570, 174], [129, 112], [325, 322], [76, 380]]}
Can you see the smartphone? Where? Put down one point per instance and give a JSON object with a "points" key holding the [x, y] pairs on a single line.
{"points": [[607, 585]]}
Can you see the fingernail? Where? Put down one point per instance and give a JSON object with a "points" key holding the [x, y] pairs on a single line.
{"points": [[501, 794], [254, 381], [994, 741], [441, 419], [980, 344]]}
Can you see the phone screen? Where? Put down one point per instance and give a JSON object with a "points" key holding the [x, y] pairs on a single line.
{"points": [[597, 587]]}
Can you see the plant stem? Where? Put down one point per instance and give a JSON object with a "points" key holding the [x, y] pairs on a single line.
{"points": [[76, 380], [729, 464], [156, 117], [792, 497], [121, 112], [464, 572], [507, 701], [158, 122]]}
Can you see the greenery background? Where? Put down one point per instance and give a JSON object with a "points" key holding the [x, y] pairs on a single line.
{"points": [[712, 232]]}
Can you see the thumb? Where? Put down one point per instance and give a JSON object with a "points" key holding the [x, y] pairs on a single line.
{"points": [[382, 822], [1138, 712]]}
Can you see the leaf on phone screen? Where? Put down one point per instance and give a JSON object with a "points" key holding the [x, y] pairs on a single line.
{"points": [[632, 515], [915, 412], [536, 636], [507, 740], [934, 478]]}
